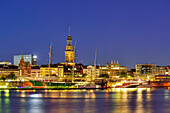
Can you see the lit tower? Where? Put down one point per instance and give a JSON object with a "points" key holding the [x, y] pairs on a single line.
{"points": [[69, 53], [22, 66]]}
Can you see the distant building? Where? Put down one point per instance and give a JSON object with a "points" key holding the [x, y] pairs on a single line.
{"points": [[144, 70], [91, 72], [5, 63], [162, 70], [35, 72], [7, 69], [112, 69], [32, 59], [168, 70], [55, 70], [78, 70]]}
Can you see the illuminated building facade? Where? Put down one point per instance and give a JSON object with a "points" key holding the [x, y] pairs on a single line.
{"points": [[78, 70], [144, 70], [35, 71], [91, 72], [7, 69], [162, 70], [55, 70], [112, 69], [5, 63]]}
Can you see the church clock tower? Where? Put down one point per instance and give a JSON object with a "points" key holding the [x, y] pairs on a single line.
{"points": [[69, 53]]}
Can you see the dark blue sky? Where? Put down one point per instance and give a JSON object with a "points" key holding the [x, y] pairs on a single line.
{"points": [[130, 31]]}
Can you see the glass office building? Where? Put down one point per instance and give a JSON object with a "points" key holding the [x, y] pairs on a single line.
{"points": [[27, 58]]}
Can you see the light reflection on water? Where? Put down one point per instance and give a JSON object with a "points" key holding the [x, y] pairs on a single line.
{"points": [[139, 100]]}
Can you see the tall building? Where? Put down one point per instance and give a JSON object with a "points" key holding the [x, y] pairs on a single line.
{"points": [[32, 59], [69, 53]]}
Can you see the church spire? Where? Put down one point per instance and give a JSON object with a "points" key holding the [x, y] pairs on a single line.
{"points": [[69, 39], [69, 32], [22, 56]]}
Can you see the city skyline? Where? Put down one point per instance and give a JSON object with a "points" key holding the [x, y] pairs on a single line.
{"points": [[132, 36], [87, 56]]}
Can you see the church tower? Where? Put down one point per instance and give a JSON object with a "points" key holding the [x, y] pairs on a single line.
{"points": [[22, 66], [69, 53]]}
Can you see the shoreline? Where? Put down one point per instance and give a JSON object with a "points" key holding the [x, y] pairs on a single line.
{"points": [[70, 88]]}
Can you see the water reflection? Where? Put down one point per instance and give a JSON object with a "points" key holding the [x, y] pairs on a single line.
{"points": [[110, 100], [6, 101], [36, 106]]}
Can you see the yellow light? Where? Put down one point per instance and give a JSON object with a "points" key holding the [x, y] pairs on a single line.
{"points": [[124, 89], [6, 90], [117, 89], [139, 80]]}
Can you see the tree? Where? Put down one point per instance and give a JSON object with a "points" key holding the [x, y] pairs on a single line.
{"points": [[131, 75], [11, 76], [70, 75], [84, 75], [122, 74], [3, 77], [104, 76]]}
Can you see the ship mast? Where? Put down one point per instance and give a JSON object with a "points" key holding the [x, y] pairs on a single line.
{"points": [[75, 52], [95, 64], [49, 65], [73, 63]]}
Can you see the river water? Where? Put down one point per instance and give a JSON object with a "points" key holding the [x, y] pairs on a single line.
{"points": [[116, 100]]}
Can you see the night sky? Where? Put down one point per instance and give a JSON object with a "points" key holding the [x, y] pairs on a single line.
{"points": [[131, 31]]}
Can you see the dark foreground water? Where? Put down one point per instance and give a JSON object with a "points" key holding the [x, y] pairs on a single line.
{"points": [[90, 101]]}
